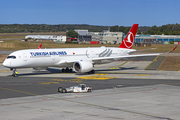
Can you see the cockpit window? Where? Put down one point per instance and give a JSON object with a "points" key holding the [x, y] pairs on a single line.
{"points": [[11, 57]]}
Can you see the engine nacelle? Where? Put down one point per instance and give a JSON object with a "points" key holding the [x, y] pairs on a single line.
{"points": [[39, 68], [82, 66]]}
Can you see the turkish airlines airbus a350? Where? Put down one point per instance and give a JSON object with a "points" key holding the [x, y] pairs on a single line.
{"points": [[80, 60]]}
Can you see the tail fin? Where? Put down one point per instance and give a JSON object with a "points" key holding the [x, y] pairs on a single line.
{"points": [[173, 49], [128, 41], [39, 47]]}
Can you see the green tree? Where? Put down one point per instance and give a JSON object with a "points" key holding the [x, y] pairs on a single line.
{"points": [[145, 33], [165, 32], [152, 32], [72, 33], [122, 28], [127, 30], [114, 28], [159, 32], [139, 32]]}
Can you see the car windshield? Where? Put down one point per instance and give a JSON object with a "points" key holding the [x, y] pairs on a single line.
{"points": [[11, 57]]}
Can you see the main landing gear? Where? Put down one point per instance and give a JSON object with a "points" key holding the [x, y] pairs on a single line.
{"points": [[67, 70], [91, 72]]}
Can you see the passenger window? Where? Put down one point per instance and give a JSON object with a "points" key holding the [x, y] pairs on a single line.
{"points": [[11, 57]]}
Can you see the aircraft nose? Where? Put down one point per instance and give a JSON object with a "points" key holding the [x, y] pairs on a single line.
{"points": [[6, 63]]}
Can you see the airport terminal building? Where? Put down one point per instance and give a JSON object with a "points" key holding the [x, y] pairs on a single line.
{"points": [[156, 39], [47, 37], [105, 37]]}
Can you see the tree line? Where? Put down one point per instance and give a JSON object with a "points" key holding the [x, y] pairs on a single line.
{"points": [[169, 29], [30, 28]]}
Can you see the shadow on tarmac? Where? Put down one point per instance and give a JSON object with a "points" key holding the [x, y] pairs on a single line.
{"points": [[55, 71]]}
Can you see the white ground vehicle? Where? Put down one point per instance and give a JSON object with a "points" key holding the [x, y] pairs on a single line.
{"points": [[79, 88]]}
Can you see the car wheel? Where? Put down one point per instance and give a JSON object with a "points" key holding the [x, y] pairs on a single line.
{"points": [[64, 91], [89, 90]]}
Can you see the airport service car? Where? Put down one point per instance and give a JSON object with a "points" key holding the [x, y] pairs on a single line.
{"points": [[79, 88]]}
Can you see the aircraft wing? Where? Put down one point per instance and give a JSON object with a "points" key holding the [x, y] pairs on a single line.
{"points": [[119, 57], [113, 58], [126, 56], [70, 62]]}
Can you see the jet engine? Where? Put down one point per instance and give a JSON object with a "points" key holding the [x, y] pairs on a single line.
{"points": [[82, 66], [39, 68]]}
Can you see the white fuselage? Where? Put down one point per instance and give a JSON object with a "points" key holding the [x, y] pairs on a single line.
{"points": [[31, 58]]}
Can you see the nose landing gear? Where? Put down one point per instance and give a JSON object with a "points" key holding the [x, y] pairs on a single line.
{"points": [[15, 73]]}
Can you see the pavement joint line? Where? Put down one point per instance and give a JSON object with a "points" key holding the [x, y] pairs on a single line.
{"points": [[125, 62], [170, 84], [94, 105], [25, 107], [152, 62], [115, 118], [46, 109], [142, 75], [91, 115], [67, 112]]}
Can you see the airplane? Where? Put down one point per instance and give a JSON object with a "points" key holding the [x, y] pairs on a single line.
{"points": [[81, 60], [39, 47]]}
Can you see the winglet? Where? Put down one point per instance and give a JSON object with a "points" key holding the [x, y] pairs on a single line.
{"points": [[39, 47], [129, 40], [173, 49]]}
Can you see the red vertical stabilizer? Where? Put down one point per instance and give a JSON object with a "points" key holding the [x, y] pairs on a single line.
{"points": [[39, 47], [128, 41]]}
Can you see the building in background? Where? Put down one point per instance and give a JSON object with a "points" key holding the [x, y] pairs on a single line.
{"points": [[85, 38], [61, 38], [81, 32], [105, 37], [156, 39], [55, 38]]}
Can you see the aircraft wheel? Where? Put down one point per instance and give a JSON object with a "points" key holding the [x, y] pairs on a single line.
{"points": [[67, 70], [63, 70], [91, 72], [13, 75]]}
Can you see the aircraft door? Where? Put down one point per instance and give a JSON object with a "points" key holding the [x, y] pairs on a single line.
{"points": [[24, 57]]}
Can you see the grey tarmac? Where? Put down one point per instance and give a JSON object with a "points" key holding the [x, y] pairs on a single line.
{"points": [[121, 90]]}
